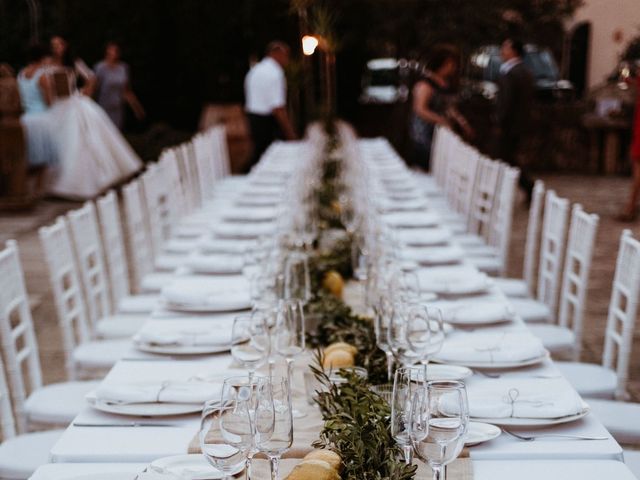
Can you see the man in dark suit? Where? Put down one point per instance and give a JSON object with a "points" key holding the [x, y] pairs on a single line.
{"points": [[515, 96]]}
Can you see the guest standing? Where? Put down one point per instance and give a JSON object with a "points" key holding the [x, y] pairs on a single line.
{"points": [[515, 97], [434, 103], [630, 212], [35, 96], [266, 100], [113, 87]]}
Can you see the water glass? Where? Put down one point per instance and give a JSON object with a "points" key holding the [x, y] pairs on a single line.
{"points": [[406, 382], [250, 341]]}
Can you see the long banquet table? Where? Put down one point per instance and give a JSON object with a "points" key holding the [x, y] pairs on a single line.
{"points": [[89, 445]]}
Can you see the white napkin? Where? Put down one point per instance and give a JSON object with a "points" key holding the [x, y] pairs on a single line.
{"points": [[259, 201], [217, 293], [187, 337], [250, 214], [216, 263], [491, 348], [433, 255], [387, 205], [226, 245], [478, 313], [166, 392], [523, 398], [411, 220], [453, 283], [243, 230], [421, 237]]}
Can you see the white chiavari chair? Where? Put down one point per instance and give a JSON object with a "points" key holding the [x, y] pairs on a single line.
{"points": [[145, 279], [610, 378], [566, 336], [554, 230], [33, 403], [83, 356], [21, 455], [482, 201], [189, 173], [220, 133], [525, 287]]}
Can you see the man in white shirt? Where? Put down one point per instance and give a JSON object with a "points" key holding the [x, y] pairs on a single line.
{"points": [[265, 88]]}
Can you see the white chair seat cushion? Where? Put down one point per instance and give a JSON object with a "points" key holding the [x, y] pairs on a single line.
{"points": [[632, 460], [531, 310], [622, 419], [555, 338], [58, 403], [120, 326], [469, 239], [153, 282], [21, 456], [101, 354], [138, 303], [589, 379], [488, 265], [169, 261], [512, 287]]}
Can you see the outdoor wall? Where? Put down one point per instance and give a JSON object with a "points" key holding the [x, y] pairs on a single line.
{"points": [[613, 24]]}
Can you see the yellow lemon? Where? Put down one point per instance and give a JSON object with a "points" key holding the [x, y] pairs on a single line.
{"points": [[338, 359], [313, 470], [333, 282], [332, 458], [341, 346], [335, 206]]}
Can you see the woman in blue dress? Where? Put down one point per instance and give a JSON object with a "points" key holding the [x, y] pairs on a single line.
{"points": [[35, 95]]}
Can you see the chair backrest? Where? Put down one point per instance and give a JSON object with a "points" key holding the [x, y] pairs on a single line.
{"points": [[7, 421], [189, 174], [170, 169], [153, 206], [90, 256], [554, 231], [19, 344], [623, 309], [219, 136], [533, 236], [205, 161], [577, 265], [502, 217], [115, 253], [137, 235], [462, 178], [484, 194], [67, 290]]}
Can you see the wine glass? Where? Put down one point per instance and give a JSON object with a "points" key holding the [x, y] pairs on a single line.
{"points": [[425, 331], [406, 382], [439, 423], [397, 335], [226, 430], [250, 341], [290, 336], [297, 283], [382, 317], [274, 419]]}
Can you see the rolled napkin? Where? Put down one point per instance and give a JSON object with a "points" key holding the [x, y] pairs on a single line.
{"points": [[186, 337], [411, 220], [252, 214], [433, 255], [387, 205], [491, 348], [421, 237], [225, 245], [214, 293], [478, 313], [214, 263], [523, 398], [456, 282], [164, 392], [257, 201], [243, 230]]}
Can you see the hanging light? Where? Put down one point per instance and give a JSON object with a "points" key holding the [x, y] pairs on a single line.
{"points": [[309, 44]]}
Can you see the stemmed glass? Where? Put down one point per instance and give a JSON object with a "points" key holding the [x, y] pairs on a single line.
{"points": [[226, 430], [406, 382], [274, 420], [250, 341], [297, 283], [397, 335], [424, 331], [439, 423], [290, 336], [382, 318]]}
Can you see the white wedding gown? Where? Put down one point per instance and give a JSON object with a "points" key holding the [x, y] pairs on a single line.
{"points": [[93, 155]]}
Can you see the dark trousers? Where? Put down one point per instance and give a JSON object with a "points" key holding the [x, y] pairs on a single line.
{"points": [[264, 130], [507, 150]]}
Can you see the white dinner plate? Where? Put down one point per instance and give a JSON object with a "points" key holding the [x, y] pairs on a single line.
{"points": [[440, 371], [102, 476], [535, 422], [502, 365], [145, 409], [190, 467], [180, 349], [479, 432]]}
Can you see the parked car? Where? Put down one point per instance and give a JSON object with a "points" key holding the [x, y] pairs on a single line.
{"points": [[483, 70], [384, 81]]}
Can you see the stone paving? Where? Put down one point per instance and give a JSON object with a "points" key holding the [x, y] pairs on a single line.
{"points": [[601, 195]]}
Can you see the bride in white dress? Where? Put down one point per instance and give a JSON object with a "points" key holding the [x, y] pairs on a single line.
{"points": [[93, 155]]}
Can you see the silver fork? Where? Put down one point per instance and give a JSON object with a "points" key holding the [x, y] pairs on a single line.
{"points": [[531, 438]]}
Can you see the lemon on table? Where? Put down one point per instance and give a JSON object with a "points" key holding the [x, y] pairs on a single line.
{"points": [[338, 359], [336, 207], [341, 346], [329, 456], [313, 470], [333, 282]]}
